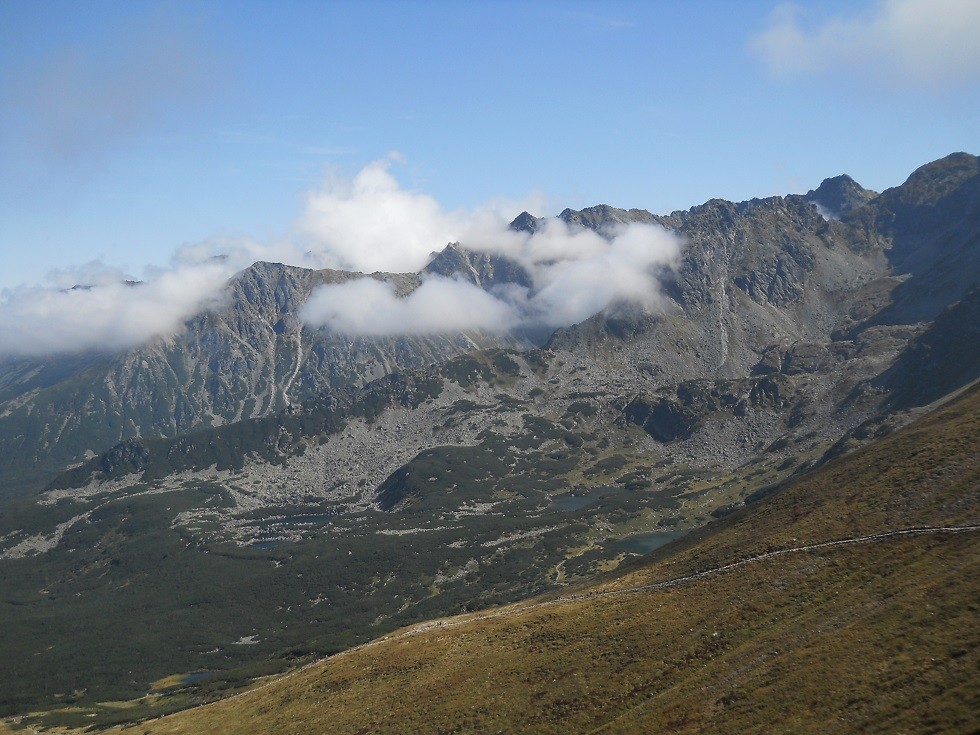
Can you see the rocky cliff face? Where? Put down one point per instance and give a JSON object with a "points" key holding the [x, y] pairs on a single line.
{"points": [[772, 285], [775, 330], [753, 275], [773, 272], [482, 269], [929, 228], [839, 195], [249, 357]]}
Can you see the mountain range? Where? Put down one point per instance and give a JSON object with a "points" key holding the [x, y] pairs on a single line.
{"points": [[252, 493]]}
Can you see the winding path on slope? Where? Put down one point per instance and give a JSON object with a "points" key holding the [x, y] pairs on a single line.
{"points": [[445, 624], [667, 583]]}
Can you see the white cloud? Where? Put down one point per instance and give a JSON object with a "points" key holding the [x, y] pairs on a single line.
{"points": [[369, 223], [105, 316], [576, 273], [918, 42], [625, 269], [555, 242], [367, 307], [93, 273], [366, 223], [239, 253]]}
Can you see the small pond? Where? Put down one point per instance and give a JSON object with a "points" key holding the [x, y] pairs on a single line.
{"points": [[644, 543]]}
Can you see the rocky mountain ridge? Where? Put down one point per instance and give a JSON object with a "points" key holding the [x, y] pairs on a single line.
{"points": [[755, 277], [249, 357], [320, 503], [770, 334]]}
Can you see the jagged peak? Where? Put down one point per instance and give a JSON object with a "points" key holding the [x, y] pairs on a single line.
{"points": [[602, 216], [595, 211], [448, 260], [527, 222], [959, 162], [267, 269], [483, 269], [839, 195]]}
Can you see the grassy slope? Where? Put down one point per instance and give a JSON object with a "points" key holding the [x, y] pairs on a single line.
{"points": [[872, 637]]}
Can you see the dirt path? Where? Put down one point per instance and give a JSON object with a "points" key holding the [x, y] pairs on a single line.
{"points": [[792, 550], [442, 624], [448, 624]]}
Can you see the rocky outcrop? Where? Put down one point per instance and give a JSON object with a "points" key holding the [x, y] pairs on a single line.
{"points": [[602, 217], [773, 272], [482, 269], [677, 415], [929, 229], [526, 222], [839, 195], [945, 358]]}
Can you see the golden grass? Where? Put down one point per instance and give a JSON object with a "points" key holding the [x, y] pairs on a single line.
{"points": [[168, 682]]}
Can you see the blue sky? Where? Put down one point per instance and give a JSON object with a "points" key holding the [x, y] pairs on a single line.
{"points": [[131, 129]]}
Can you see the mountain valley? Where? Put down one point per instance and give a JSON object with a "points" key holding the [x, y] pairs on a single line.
{"points": [[180, 520], [845, 600]]}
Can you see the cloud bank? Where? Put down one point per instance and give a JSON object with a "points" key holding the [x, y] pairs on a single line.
{"points": [[624, 268], [904, 42], [368, 307], [369, 223], [364, 223], [108, 315], [575, 273]]}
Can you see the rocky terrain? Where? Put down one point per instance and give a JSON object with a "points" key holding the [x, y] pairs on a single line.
{"points": [[307, 491], [779, 323], [248, 356], [756, 278]]}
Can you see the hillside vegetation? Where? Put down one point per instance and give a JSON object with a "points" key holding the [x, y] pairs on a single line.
{"points": [[875, 634]]}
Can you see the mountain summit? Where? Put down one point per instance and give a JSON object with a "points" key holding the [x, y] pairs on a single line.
{"points": [[839, 195]]}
